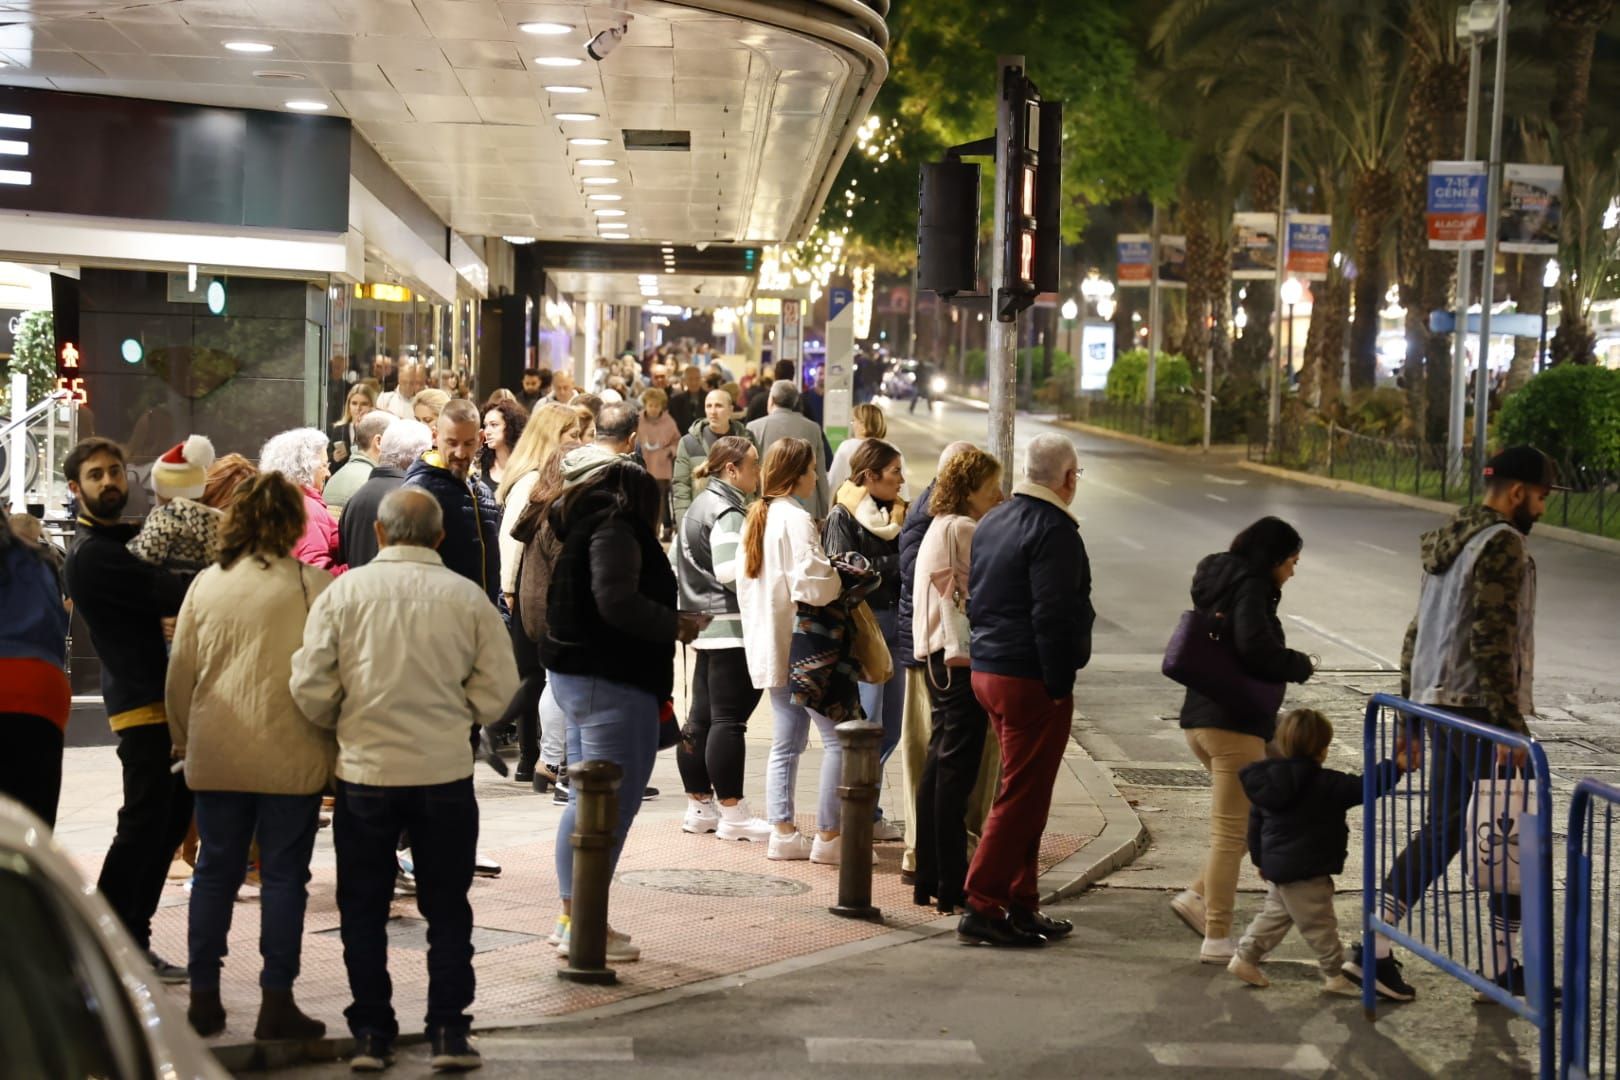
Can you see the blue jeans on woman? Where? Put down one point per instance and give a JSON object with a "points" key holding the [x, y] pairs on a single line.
{"points": [[792, 735], [607, 721], [885, 703], [227, 822]]}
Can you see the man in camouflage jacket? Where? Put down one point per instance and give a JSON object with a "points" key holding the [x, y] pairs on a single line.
{"points": [[1469, 651]]}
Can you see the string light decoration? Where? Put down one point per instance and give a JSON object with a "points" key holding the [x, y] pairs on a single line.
{"points": [[865, 278]]}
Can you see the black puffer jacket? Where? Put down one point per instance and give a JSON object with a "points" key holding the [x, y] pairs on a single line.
{"points": [[1297, 829], [471, 522], [911, 537], [1247, 597]]}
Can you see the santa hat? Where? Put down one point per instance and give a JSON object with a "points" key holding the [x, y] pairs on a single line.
{"points": [[182, 472]]}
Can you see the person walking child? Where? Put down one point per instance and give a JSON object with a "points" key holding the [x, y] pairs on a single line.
{"points": [[1298, 840]]}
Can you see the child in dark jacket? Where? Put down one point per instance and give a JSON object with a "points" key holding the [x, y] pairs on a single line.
{"points": [[1298, 839]]}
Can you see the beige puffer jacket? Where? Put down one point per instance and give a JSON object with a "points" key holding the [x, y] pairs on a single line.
{"points": [[230, 711]]}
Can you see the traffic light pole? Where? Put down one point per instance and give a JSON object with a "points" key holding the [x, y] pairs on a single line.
{"points": [[1001, 350]]}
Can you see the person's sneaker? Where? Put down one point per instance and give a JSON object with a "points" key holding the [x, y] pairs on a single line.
{"points": [[1248, 972], [885, 831], [620, 949], [649, 793], [788, 846], [1387, 979], [559, 795], [372, 1053], [559, 932], [738, 823], [1190, 907], [830, 852], [453, 1051], [1338, 984], [1512, 980], [173, 974], [700, 817], [484, 866], [1217, 950]]}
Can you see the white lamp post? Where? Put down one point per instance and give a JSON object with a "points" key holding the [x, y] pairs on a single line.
{"points": [[1292, 293]]}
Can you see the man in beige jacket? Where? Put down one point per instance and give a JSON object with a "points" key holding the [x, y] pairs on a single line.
{"points": [[405, 761]]}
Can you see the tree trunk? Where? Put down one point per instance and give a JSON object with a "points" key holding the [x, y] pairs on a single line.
{"points": [[1333, 300], [1530, 295], [1372, 199], [1574, 342]]}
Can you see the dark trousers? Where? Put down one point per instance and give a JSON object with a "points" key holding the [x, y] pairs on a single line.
{"points": [[666, 508], [227, 822], [524, 708], [155, 817], [443, 824], [955, 748], [1033, 731], [711, 752], [31, 767]]}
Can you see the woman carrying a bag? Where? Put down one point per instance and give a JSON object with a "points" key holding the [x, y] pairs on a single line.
{"points": [[966, 489], [1242, 587]]}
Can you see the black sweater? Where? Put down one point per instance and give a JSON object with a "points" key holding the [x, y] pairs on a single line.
{"points": [[123, 601], [1297, 829]]}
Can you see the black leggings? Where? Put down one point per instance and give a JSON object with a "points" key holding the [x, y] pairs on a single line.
{"points": [[954, 750], [711, 752], [31, 768], [524, 708]]}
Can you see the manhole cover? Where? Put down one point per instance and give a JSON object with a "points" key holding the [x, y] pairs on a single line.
{"points": [[1166, 778], [713, 883]]}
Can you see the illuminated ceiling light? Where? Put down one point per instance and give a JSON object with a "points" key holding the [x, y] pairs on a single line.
{"points": [[610, 213], [308, 106], [558, 61], [587, 140], [518, 239], [646, 279], [567, 88], [250, 46], [605, 198], [546, 29], [599, 181], [574, 117], [596, 162]]}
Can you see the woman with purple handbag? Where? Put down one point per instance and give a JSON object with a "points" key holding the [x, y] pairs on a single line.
{"points": [[1231, 655]]}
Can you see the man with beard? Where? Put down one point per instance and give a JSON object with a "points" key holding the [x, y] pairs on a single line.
{"points": [[1471, 652], [470, 516], [124, 602]]}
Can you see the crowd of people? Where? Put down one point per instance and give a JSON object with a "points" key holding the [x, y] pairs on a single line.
{"points": [[265, 625]]}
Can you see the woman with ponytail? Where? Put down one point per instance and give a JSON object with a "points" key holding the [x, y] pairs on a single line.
{"points": [[784, 566]]}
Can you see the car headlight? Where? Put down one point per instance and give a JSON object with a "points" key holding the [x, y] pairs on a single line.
{"points": [[937, 384]]}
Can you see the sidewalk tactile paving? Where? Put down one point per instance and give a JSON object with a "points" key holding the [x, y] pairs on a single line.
{"points": [[699, 907]]}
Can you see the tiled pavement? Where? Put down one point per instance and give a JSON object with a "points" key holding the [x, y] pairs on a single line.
{"points": [[699, 907]]}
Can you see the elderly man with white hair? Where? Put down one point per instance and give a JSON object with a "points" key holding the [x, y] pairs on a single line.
{"points": [[402, 443], [1029, 603], [404, 761]]}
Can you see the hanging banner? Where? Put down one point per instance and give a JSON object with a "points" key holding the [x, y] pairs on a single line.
{"points": [[1456, 205], [1254, 247], [1135, 259], [1532, 209], [1172, 262], [1310, 245]]}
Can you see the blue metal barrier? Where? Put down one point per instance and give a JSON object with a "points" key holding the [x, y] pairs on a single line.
{"points": [[1591, 822], [1460, 801]]}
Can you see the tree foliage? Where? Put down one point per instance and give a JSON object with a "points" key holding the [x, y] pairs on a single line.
{"points": [[33, 353], [1572, 412]]}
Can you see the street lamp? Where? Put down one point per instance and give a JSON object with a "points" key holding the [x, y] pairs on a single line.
{"points": [[1241, 319], [1292, 293], [1105, 309], [1070, 310], [1549, 282]]}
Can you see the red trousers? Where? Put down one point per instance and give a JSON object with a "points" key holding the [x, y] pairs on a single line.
{"points": [[1034, 731]]}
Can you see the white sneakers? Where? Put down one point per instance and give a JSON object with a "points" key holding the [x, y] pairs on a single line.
{"points": [[1190, 907], [700, 817], [1249, 973], [619, 948], [829, 852], [1217, 950], [738, 823], [884, 830], [789, 846]]}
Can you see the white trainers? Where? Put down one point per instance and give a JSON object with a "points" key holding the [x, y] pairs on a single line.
{"points": [[1217, 950], [559, 932], [700, 817], [1190, 907], [1338, 984], [738, 823], [884, 831], [788, 846], [619, 948], [1251, 974], [830, 852]]}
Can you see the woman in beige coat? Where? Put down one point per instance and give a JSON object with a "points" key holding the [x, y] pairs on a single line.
{"points": [[258, 768]]}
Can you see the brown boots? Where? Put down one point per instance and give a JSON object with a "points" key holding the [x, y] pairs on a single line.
{"points": [[206, 1013], [280, 1019]]}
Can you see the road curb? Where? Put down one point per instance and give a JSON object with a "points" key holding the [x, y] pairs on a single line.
{"points": [[1417, 502], [1122, 839]]}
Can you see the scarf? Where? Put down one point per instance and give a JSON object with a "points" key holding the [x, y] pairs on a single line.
{"points": [[881, 523], [581, 463]]}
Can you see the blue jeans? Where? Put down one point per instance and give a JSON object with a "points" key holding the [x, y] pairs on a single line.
{"points": [[607, 721], [442, 820], [885, 703], [226, 824], [792, 735]]}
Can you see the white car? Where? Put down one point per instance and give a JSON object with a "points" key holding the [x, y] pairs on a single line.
{"points": [[77, 998]]}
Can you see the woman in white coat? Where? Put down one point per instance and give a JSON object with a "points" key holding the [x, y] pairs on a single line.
{"points": [[784, 566]]}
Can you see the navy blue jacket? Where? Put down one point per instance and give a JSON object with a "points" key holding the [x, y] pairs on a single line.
{"points": [[912, 532], [1297, 829], [1029, 594], [471, 522], [36, 623]]}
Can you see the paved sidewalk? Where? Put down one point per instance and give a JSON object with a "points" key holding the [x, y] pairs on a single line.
{"points": [[700, 908]]}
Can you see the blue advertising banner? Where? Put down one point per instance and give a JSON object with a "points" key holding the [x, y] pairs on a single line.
{"points": [[1310, 245], [1135, 259], [1456, 205]]}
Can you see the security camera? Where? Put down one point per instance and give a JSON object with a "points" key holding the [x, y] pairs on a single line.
{"points": [[604, 43]]}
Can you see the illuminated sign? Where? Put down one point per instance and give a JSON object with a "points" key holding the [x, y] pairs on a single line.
{"points": [[382, 290], [216, 296], [1026, 255], [768, 305], [10, 148], [67, 364], [132, 351], [1027, 197]]}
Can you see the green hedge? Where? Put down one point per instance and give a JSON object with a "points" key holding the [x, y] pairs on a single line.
{"points": [[1127, 379], [1571, 411]]}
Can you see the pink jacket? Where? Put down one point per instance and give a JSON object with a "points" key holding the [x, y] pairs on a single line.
{"points": [[659, 439], [944, 556], [321, 544]]}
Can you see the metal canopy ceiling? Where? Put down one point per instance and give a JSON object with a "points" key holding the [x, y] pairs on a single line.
{"points": [[451, 94]]}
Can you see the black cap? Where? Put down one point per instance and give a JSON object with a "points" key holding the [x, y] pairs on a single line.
{"points": [[1525, 464]]}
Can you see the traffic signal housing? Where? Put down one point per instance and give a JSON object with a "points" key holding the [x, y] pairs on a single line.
{"points": [[1032, 215]]}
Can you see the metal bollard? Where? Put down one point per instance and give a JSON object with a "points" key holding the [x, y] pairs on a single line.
{"points": [[596, 816], [859, 791]]}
